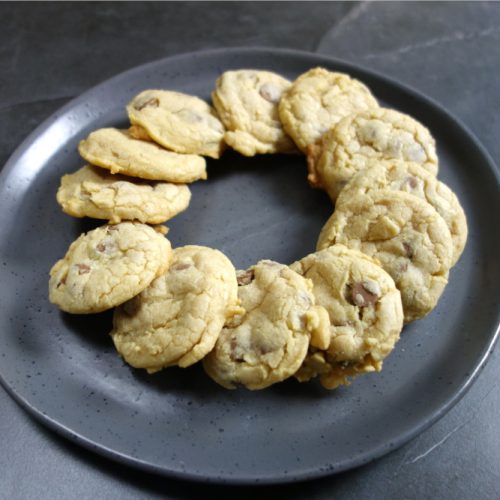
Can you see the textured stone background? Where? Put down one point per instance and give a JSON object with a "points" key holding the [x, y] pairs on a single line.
{"points": [[52, 52]]}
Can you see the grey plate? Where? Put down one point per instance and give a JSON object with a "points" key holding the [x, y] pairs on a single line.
{"points": [[64, 371]]}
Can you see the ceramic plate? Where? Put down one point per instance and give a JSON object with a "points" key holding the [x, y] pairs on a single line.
{"points": [[63, 369]]}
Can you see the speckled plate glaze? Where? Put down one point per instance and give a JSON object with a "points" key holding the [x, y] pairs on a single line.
{"points": [[63, 368]]}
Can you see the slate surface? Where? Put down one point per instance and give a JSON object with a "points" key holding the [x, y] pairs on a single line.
{"points": [[450, 51]]}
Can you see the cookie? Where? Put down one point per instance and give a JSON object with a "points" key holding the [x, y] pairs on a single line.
{"points": [[414, 179], [365, 313], [107, 266], [94, 192], [177, 319], [364, 138], [247, 104], [117, 151], [405, 234], [180, 122], [268, 341], [317, 100]]}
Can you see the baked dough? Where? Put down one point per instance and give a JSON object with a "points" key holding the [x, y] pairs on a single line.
{"points": [[119, 152], [317, 100], [247, 103], [405, 235], [268, 341], [177, 319], [94, 192], [364, 138], [412, 178], [365, 313], [107, 266], [180, 122]]}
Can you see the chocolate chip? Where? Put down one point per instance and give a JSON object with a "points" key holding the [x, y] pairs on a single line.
{"points": [[412, 181], [408, 250], [62, 282], [83, 268], [264, 349], [151, 103], [234, 355], [358, 295], [131, 307], [339, 323], [245, 277], [416, 153], [101, 247]]}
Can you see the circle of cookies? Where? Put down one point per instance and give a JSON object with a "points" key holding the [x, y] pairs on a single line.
{"points": [[107, 266], [383, 256]]}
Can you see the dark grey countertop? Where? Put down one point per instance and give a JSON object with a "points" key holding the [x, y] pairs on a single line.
{"points": [[51, 52]]}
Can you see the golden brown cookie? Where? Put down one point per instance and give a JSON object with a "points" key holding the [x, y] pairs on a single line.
{"points": [[405, 234], [94, 192], [365, 313], [119, 152], [317, 100], [247, 103], [268, 341], [364, 138], [414, 179], [107, 266], [179, 122], [177, 319]]}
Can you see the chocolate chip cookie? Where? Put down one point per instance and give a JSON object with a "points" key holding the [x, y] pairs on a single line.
{"points": [[179, 122], [268, 341], [365, 313], [405, 234], [317, 100], [247, 103], [107, 266], [177, 319]]}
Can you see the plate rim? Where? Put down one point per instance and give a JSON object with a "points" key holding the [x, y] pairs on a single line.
{"points": [[306, 474]]}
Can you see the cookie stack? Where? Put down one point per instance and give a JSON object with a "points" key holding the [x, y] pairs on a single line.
{"points": [[382, 259], [141, 173]]}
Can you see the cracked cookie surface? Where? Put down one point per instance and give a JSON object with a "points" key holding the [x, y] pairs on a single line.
{"points": [[107, 266], [177, 319], [413, 179], [117, 151], [247, 103], [179, 122], [268, 340], [364, 138], [94, 192], [405, 234], [317, 100], [365, 313]]}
